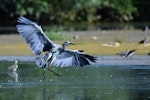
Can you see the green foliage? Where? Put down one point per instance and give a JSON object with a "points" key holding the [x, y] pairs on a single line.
{"points": [[11, 9], [70, 11], [54, 34], [31, 7], [89, 11], [125, 8]]}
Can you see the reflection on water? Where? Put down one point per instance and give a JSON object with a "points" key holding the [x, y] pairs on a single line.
{"points": [[84, 83], [13, 75]]}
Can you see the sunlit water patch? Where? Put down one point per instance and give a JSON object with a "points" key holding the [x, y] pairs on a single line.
{"points": [[96, 82]]}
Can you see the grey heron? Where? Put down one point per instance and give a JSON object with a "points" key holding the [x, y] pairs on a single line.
{"points": [[127, 53], [14, 66], [55, 55]]}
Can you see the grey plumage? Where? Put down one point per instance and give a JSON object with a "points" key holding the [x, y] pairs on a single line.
{"points": [[72, 58], [56, 55], [126, 53], [14, 66], [34, 36]]}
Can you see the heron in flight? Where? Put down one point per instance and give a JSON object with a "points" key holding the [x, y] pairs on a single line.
{"points": [[127, 53], [55, 55]]}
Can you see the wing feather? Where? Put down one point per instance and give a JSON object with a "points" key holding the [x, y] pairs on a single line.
{"points": [[34, 36], [72, 58]]}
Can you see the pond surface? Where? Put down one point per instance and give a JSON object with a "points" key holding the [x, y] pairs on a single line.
{"points": [[101, 82]]}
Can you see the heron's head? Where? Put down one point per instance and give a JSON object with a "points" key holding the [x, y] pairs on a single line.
{"points": [[16, 61], [67, 43]]}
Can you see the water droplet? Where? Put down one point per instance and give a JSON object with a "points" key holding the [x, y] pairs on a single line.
{"points": [[20, 84], [66, 70], [51, 80], [40, 80], [111, 75]]}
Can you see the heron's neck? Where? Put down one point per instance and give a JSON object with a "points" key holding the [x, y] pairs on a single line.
{"points": [[63, 46]]}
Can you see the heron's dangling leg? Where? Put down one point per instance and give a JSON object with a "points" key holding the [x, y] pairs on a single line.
{"points": [[54, 72], [43, 73]]}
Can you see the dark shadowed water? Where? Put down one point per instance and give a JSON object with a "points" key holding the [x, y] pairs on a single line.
{"points": [[101, 82]]}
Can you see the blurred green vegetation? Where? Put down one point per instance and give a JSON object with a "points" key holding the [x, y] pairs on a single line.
{"points": [[56, 33], [66, 12]]}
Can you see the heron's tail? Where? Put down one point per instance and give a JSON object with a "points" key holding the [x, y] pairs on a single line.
{"points": [[91, 58], [42, 63], [39, 61]]}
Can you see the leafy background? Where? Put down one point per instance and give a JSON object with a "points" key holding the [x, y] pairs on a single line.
{"points": [[66, 12]]}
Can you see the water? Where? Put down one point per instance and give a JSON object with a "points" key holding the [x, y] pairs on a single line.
{"points": [[101, 82]]}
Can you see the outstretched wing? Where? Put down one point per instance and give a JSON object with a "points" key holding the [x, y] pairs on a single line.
{"points": [[72, 58], [34, 36], [131, 52]]}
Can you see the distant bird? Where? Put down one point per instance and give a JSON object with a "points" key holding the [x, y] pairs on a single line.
{"points": [[55, 55], [145, 29], [94, 38], [144, 41], [14, 66], [111, 44], [76, 37], [127, 53]]}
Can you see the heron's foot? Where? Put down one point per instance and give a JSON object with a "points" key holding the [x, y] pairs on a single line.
{"points": [[54, 72]]}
